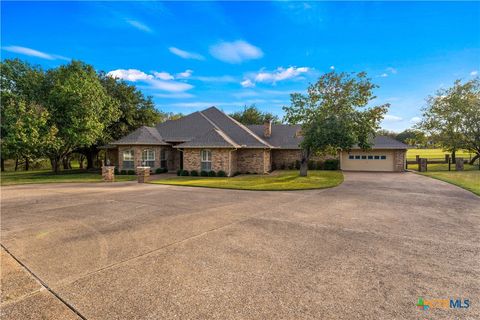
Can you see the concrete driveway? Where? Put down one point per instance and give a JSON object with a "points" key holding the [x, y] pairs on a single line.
{"points": [[364, 250]]}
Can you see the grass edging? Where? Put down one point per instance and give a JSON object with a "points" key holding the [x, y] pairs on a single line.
{"points": [[448, 180], [283, 181]]}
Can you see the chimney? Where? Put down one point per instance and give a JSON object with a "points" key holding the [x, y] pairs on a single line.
{"points": [[267, 128]]}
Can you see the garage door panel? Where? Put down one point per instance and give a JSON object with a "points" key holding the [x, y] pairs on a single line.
{"points": [[386, 164]]}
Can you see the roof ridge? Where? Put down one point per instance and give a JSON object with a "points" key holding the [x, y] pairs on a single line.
{"points": [[248, 130], [217, 128], [227, 138]]}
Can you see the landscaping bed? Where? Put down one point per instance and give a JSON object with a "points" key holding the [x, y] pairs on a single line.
{"points": [[280, 180]]}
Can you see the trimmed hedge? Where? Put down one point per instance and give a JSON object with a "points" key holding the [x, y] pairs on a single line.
{"points": [[161, 170], [184, 173], [194, 173], [204, 173], [131, 172], [331, 164], [212, 173], [221, 173]]}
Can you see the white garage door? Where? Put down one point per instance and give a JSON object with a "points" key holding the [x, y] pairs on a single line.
{"points": [[372, 160]]}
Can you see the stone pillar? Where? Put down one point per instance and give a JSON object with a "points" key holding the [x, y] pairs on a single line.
{"points": [[143, 174], [417, 158], [459, 164], [422, 165], [108, 173]]}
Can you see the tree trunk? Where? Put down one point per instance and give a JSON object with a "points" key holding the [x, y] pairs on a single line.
{"points": [[27, 164], [91, 156], [16, 164], [304, 163], [80, 161], [66, 163], [3, 165], [472, 161], [55, 162], [453, 156]]}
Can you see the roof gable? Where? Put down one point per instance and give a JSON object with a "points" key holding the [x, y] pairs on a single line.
{"points": [[143, 135], [211, 139]]}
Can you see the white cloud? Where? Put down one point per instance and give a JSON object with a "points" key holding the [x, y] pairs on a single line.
{"points": [[390, 118], [186, 74], [185, 54], [474, 73], [415, 119], [247, 83], [332, 67], [171, 86], [384, 75], [235, 52], [34, 53], [139, 25], [129, 75], [280, 74], [392, 70], [163, 75]]}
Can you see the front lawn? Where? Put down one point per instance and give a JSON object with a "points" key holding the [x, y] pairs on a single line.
{"points": [[468, 179], [279, 180], [435, 154], [47, 176]]}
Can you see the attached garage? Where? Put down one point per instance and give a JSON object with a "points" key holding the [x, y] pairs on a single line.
{"points": [[386, 154]]}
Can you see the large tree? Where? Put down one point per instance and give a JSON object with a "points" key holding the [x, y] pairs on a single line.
{"points": [[452, 117], [334, 114], [252, 115], [20, 85], [412, 137], [79, 108]]}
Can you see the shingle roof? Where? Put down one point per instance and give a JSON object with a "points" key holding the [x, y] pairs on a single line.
{"points": [[283, 135], [211, 139], [385, 142], [185, 128], [143, 135]]}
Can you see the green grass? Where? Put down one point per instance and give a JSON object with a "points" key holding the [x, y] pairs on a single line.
{"points": [[280, 180], [47, 176], [469, 180], [434, 154]]}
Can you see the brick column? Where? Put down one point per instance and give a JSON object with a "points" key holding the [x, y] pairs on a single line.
{"points": [[143, 174], [422, 165], [108, 173]]}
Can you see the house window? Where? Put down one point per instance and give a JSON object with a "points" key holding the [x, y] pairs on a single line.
{"points": [[383, 157], [351, 157], [370, 157], [206, 164], [128, 159], [357, 157], [377, 157], [163, 158], [148, 158], [364, 157]]}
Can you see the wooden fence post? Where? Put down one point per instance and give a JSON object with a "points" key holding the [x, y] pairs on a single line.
{"points": [[459, 164], [422, 165]]}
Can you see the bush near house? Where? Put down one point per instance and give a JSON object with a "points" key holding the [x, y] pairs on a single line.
{"points": [[212, 173], [161, 170], [331, 164], [204, 173], [194, 173], [221, 173], [131, 172]]}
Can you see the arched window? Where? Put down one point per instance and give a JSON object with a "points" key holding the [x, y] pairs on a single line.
{"points": [[128, 159], [206, 163], [148, 158]]}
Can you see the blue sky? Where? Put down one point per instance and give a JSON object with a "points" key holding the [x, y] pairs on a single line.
{"points": [[189, 56]]}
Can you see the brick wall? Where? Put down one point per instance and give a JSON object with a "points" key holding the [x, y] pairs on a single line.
{"points": [[253, 160], [288, 157], [138, 155], [221, 160]]}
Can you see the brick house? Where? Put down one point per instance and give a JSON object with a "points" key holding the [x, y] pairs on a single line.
{"points": [[209, 140]]}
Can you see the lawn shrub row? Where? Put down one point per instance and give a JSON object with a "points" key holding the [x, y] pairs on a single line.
{"points": [[124, 172], [329, 164], [195, 173]]}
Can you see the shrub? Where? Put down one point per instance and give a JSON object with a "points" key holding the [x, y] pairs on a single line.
{"points": [[297, 164], [331, 164], [237, 173], [204, 173], [311, 165], [320, 165], [194, 173], [211, 173], [282, 166], [274, 166], [179, 171], [115, 171], [184, 173], [159, 170], [131, 172], [123, 172], [221, 173], [291, 166]]}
